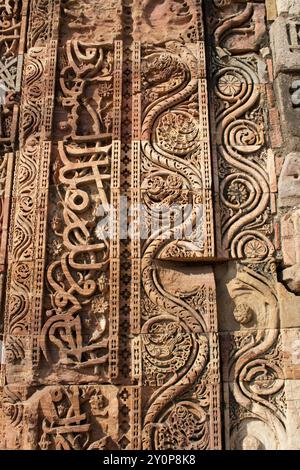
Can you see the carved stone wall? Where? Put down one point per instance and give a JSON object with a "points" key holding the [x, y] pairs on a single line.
{"points": [[149, 264]]}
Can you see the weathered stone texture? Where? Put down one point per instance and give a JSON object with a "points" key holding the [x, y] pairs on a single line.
{"points": [[185, 334], [291, 7]]}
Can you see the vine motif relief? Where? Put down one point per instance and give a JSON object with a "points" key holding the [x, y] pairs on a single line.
{"points": [[26, 244], [43, 22], [255, 374], [244, 186], [173, 359], [241, 154]]}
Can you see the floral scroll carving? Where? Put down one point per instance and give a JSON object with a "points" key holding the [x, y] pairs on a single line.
{"points": [[255, 366], [29, 201], [243, 166], [43, 22], [112, 342], [11, 49], [77, 327], [246, 180], [241, 154], [177, 357], [172, 350]]}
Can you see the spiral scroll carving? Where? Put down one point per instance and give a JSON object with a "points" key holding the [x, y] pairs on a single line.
{"points": [[76, 323], [175, 350], [255, 372]]}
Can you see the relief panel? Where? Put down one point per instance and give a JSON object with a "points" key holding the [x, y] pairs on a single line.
{"points": [[157, 21], [80, 326], [138, 317], [244, 170], [88, 417], [176, 359], [173, 155], [12, 38], [245, 185]]}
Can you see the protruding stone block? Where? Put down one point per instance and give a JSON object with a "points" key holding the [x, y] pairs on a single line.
{"points": [[289, 181], [292, 7], [285, 43], [290, 234]]}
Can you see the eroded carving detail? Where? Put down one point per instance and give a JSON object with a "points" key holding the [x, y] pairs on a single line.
{"points": [[64, 278], [157, 21], [91, 21], [175, 152], [87, 417], [245, 177], [171, 171], [78, 330]]}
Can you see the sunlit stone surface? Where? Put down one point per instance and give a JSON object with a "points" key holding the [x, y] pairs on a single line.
{"points": [[149, 224]]}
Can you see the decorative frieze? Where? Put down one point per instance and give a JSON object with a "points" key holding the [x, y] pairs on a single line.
{"points": [[151, 261]]}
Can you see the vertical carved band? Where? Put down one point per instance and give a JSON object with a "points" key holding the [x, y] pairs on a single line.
{"points": [[13, 21], [175, 355], [25, 286], [244, 178]]}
